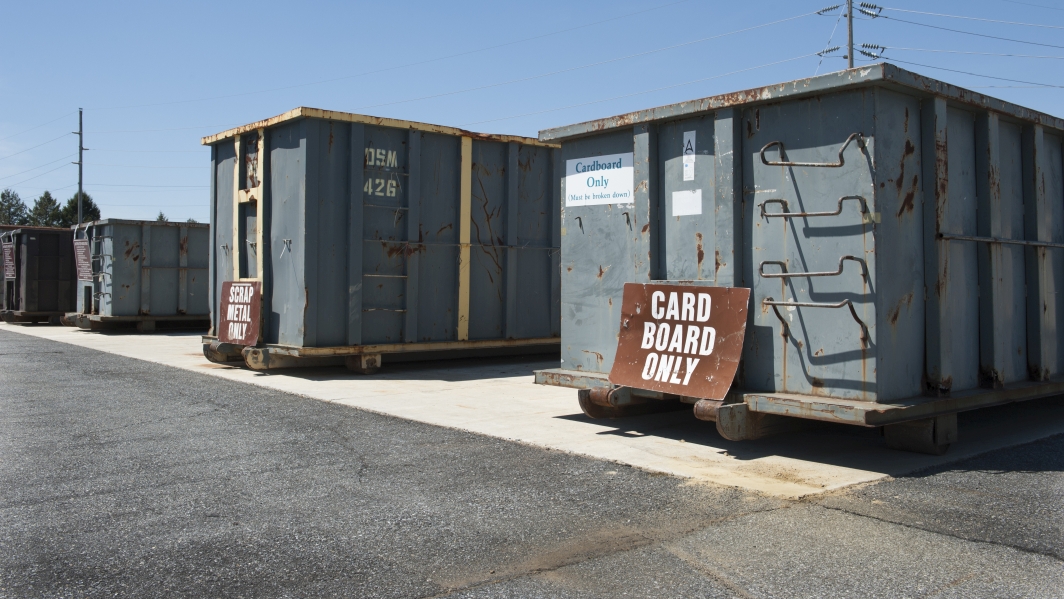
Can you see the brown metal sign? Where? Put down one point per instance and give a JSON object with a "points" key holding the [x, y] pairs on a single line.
{"points": [[83, 259], [241, 307], [9, 260], [680, 339]]}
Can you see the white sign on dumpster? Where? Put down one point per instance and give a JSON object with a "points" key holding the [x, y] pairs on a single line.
{"points": [[608, 179]]}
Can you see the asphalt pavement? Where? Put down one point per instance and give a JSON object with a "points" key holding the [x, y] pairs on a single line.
{"points": [[121, 477]]}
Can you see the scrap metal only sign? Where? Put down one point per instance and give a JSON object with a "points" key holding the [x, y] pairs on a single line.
{"points": [[239, 319], [680, 339]]}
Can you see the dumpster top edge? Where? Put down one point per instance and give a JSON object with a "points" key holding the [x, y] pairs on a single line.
{"points": [[153, 223], [881, 73], [348, 117]]}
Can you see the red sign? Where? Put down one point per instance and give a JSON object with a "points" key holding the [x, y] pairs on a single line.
{"points": [[83, 259], [9, 260], [680, 339], [241, 306]]}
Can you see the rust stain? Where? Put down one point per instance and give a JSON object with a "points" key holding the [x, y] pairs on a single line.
{"points": [[132, 248], [817, 382], [569, 269], [895, 312], [444, 228], [645, 228], [907, 203], [701, 251], [602, 271], [819, 352], [182, 246], [717, 261], [598, 356]]}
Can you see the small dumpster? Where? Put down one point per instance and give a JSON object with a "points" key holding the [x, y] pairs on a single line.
{"points": [[341, 238], [142, 273], [902, 240], [38, 274]]}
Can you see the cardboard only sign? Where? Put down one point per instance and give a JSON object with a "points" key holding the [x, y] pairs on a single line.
{"points": [[240, 308], [680, 339]]}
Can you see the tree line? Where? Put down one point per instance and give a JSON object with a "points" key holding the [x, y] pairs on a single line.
{"points": [[46, 210]]}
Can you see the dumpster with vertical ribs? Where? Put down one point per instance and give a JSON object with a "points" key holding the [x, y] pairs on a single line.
{"points": [[38, 274], [340, 239], [901, 238]]}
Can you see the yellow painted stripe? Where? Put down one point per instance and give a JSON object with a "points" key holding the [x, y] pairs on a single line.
{"points": [[464, 219]]}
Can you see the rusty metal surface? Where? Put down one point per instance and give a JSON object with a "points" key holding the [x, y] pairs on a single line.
{"points": [[680, 340], [573, 379], [884, 74], [240, 317]]}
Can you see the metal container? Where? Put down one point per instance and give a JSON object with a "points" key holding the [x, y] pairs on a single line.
{"points": [[374, 236], [143, 272], [901, 237], [42, 264]]}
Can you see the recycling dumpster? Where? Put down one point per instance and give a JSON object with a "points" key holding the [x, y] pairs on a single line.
{"points": [[902, 240], [341, 238], [39, 277], [146, 274]]}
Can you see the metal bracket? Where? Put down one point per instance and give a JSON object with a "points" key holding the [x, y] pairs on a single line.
{"points": [[785, 274], [837, 212], [858, 136], [768, 301]]}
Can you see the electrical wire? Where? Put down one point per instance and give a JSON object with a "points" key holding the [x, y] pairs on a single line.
{"points": [[1007, 39], [1036, 5], [402, 66], [145, 166], [642, 92], [153, 151], [35, 147], [589, 65], [134, 185], [40, 175], [37, 127], [37, 167], [157, 130], [977, 53], [935, 14], [827, 45]]}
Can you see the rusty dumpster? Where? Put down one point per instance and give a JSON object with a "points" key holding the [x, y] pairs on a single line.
{"points": [[39, 279]]}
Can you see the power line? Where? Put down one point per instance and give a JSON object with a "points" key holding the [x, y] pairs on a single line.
{"points": [[875, 15], [35, 147], [935, 14], [36, 127], [975, 74], [37, 167], [589, 65], [403, 66], [827, 45], [642, 92], [962, 52], [134, 185], [40, 175], [157, 130], [1036, 5], [145, 166]]}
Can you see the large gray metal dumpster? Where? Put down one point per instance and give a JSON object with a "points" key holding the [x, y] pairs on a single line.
{"points": [[902, 238], [375, 236], [144, 272], [42, 262]]}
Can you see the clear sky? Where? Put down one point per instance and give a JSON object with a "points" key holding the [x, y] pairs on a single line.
{"points": [[155, 77]]}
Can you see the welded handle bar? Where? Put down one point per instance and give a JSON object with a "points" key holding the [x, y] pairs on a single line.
{"points": [[768, 301], [826, 273], [1045, 244], [858, 136], [785, 214]]}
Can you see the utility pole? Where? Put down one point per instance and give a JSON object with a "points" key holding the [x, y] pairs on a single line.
{"points": [[81, 149], [849, 31]]}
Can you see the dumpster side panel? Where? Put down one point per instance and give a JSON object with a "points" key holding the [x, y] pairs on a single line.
{"points": [[959, 218], [601, 250], [437, 317], [899, 274], [822, 352], [1053, 179], [224, 164], [329, 163], [489, 217], [163, 273], [198, 245], [534, 258], [1013, 265], [288, 292], [686, 200], [124, 298]]}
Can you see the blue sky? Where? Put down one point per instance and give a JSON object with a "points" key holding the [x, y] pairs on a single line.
{"points": [[154, 78]]}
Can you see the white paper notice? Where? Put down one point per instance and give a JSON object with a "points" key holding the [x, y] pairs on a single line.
{"points": [[689, 156], [686, 203], [598, 180]]}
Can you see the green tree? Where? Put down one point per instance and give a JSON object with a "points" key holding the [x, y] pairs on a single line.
{"points": [[12, 209], [161, 218], [89, 210], [192, 220], [45, 212]]}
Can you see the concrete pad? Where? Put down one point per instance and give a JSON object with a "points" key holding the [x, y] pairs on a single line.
{"points": [[499, 399]]}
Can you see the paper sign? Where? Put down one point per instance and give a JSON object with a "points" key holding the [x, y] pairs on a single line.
{"points": [[689, 156], [9, 260], [240, 308], [686, 203], [679, 339], [83, 259], [608, 179]]}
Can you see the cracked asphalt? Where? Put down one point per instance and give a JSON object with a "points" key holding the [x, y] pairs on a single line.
{"points": [[123, 478]]}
